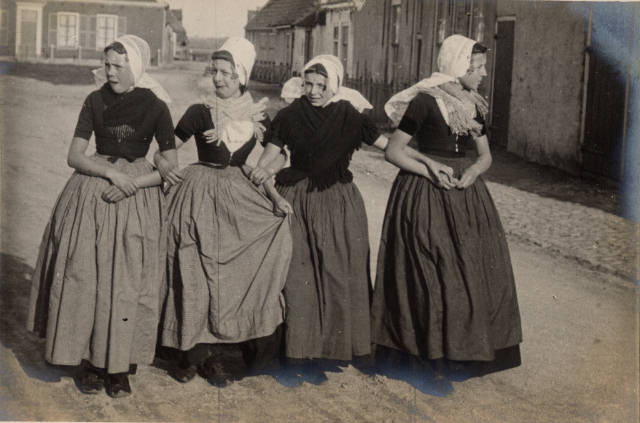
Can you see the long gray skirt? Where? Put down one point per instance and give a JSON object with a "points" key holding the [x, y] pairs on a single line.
{"points": [[227, 260], [444, 283], [327, 289], [95, 292]]}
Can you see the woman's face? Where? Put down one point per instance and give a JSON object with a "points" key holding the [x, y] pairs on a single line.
{"points": [[118, 71], [477, 71], [225, 79], [315, 88]]}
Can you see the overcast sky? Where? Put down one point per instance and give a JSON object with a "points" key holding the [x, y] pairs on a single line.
{"points": [[215, 18]]}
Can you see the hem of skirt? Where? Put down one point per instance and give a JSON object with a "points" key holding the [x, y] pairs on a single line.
{"points": [[112, 370], [171, 339], [452, 357], [336, 357]]}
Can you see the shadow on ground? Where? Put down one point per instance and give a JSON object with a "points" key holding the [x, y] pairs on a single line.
{"points": [[15, 285], [58, 74]]}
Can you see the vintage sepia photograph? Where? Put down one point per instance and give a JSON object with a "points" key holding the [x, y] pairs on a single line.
{"points": [[320, 211]]}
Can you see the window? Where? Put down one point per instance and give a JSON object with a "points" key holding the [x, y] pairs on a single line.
{"points": [[67, 30], [4, 28], [336, 40], [106, 30]]}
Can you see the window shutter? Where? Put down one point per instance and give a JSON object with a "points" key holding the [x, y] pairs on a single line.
{"points": [[84, 24], [91, 32], [122, 25], [53, 29]]}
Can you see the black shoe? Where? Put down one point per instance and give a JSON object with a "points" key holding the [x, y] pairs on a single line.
{"points": [[89, 380], [182, 374], [117, 385]]}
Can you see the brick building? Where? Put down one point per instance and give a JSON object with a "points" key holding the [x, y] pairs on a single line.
{"points": [[79, 29]]}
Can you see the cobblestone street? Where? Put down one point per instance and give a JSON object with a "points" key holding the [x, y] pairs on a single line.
{"points": [[593, 237]]}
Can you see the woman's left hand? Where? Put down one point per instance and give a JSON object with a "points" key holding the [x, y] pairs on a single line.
{"points": [[113, 194], [282, 207], [468, 178]]}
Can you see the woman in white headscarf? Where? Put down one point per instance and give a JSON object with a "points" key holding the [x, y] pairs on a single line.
{"points": [[97, 283], [229, 241], [327, 289], [444, 286]]}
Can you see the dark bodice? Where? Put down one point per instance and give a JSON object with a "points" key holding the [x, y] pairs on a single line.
{"points": [[197, 120], [321, 140], [424, 121], [125, 124]]}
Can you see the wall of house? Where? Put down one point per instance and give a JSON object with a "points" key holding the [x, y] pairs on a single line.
{"points": [[7, 28], [323, 36], [144, 21], [407, 54], [369, 27], [547, 81], [271, 46], [298, 49]]}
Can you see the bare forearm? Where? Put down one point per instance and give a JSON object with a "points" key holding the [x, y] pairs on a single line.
{"points": [[406, 159], [271, 156], [271, 190], [482, 163], [150, 179], [89, 165]]}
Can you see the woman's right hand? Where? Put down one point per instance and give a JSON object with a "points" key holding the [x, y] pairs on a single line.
{"points": [[442, 175], [281, 207], [169, 172], [125, 182]]}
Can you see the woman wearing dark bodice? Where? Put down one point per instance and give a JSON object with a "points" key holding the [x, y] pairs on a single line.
{"points": [[229, 244], [96, 292], [444, 287]]}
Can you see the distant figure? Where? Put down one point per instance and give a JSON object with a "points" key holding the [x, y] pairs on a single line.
{"points": [[229, 241], [444, 284], [327, 289], [96, 287]]}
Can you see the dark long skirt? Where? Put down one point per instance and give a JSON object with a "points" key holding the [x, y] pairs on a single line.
{"points": [[444, 285], [327, 289], [96, 288]]}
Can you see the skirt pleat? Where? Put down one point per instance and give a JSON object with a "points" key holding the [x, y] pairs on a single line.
{"points": [[328, 285], [444, 286], [96, 288], [227, 260]]}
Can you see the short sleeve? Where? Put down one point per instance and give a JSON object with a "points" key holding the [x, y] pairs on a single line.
{"points": [[84, 127], [370, 131], [164, 129], [276, 132], [414, 116], [266, 122], [191, 123], [481, 121]]}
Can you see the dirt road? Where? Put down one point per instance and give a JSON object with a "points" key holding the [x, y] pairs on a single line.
{"points": [[580, 355]]}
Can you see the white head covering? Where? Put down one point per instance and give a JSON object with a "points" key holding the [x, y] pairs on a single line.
{"points": [[292, 89], [139, 58], [454, 60], [244, 56]]}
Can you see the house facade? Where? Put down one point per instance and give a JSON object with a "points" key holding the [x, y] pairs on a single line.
{"points": [[288, 33], [282, 34], [78, 29], [567, 96], [396, 43]]}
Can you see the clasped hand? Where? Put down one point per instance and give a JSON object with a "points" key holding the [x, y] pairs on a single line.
{"points": [[443, 176], [123, 186]]}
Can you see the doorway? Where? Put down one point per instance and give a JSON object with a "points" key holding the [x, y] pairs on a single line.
{"points": [[505, 34]]}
